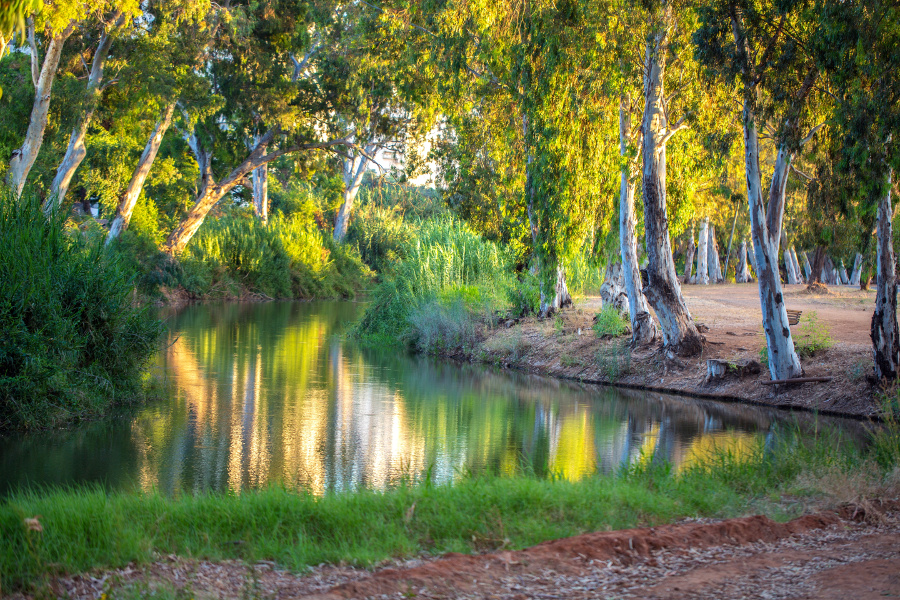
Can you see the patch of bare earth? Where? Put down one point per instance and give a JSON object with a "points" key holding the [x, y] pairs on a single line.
{"points": [[567, 347], [816, 556]]}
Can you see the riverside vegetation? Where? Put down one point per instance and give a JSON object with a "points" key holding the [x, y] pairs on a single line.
{"points": [[82, 529]]}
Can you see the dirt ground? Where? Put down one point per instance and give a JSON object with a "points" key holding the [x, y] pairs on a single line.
{"points": [[567, 347], [823, 556]]}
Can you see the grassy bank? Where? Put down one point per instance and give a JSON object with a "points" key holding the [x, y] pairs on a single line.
{"points": [[86, 529]]}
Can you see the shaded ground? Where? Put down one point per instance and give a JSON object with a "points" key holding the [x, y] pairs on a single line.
{"points": [[817, 556], [567, 347]]}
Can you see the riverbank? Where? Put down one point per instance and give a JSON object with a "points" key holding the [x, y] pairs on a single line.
{"points": [[121, 539], [566, 346]]}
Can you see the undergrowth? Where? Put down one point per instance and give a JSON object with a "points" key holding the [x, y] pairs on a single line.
{"points": [[449, 284], [73, 341]]}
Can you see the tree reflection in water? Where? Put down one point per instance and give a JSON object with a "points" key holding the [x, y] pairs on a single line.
{"points": [[270, 393]]}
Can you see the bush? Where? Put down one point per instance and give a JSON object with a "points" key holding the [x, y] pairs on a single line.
{"points": [[73, 342], [450, 273], [250, 253], [381, 234], [610, 322], [525, 296]]}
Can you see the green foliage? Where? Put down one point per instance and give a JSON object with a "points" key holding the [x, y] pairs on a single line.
{"points": [[448, 271], [73, 344], [381, 234], [288, 258], [610, 322], [248, 252], [813, 336], [525, 295]]}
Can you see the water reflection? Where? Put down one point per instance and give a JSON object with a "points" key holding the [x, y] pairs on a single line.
{"points": [[270, 393]]}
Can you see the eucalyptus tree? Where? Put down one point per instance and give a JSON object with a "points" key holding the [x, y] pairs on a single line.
{"points": [[764, 47], [281, 85], [858, 49], [110, 25], [165, 69], [53, 26], [387, 102], [528, 56]]}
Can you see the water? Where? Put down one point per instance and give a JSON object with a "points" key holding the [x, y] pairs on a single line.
{"points": [[270, 393]]}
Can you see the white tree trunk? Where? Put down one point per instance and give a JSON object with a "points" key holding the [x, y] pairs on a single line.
{"points": [[703, 253], [612, 292], [712, 257], [354, 170], [129, 199], [76, 151], [885, 334], [261, 192], [783, 360], [643, 330], [789, 265], [23, 159], [689, 259], [796, 263], [842, 273], [807, 269], [742, 273], [680, 334], [857, 269]]}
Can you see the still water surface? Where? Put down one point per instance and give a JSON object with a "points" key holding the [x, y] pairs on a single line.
{"points": [[271, 393]]}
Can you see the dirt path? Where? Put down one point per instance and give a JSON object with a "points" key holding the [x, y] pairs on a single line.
{"points": [[819, 556], [567, 347]]}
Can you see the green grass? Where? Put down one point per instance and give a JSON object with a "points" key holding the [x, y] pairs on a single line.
{"points": [[611, 322], [86, 529]]}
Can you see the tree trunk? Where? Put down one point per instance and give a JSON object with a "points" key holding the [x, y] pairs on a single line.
{"points": [[689, 259], [129, 199], [643, 330], [680, 335], [796, 261], [807, 269], [23, 159], [76, 151], [818, 266], [789, 264], [885, 333], [731, 239], [828, 272], [354, 170], [703, 253], [783, 360], [712, 257], [211, 191], [612, 292], [261, 192], [742, 274], [857, 269], [842, 273]]}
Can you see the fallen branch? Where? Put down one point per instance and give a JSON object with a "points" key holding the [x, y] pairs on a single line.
{"points": [[798, 380]]}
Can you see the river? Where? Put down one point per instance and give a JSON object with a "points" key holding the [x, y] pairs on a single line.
{"points": [[263, 394]]}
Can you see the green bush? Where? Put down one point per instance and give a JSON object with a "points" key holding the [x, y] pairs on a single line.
{"points": [[250, 253], [381, 234], [610, 322], [525, 296], [73, 342], [449, 273]]}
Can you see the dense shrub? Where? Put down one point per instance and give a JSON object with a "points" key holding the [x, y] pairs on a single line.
{"points": [[73, 342], [450, 276], [381, 234]]}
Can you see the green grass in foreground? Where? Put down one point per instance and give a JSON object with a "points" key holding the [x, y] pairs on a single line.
{"points": [[85, 529]]}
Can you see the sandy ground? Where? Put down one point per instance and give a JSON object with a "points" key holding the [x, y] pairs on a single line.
{"points": [[855, 555], [567, 347]]}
